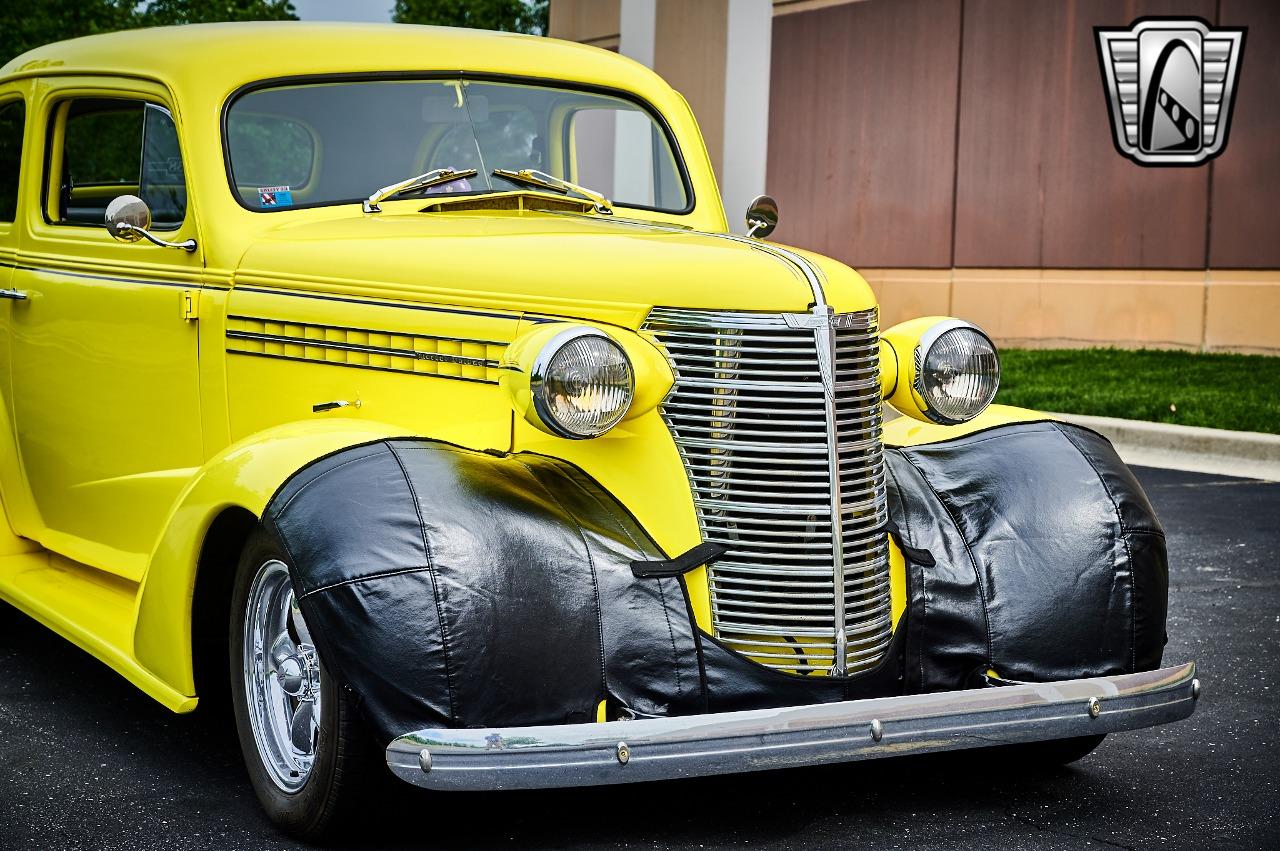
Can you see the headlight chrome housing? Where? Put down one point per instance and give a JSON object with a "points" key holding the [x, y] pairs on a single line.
{"points": [[957, 371], [581, 384]]}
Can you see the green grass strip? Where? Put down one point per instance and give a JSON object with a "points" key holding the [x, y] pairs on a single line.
{"points": [[1240, 392]]}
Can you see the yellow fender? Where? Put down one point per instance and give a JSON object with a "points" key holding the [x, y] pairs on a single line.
{"points": [[245, 475], [905, 431]]}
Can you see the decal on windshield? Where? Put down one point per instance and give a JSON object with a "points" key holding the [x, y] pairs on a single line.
{"points": [[275, 196]]}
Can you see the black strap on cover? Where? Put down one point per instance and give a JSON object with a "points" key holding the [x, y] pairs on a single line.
{"points": [[924, 558], [704, 553]]}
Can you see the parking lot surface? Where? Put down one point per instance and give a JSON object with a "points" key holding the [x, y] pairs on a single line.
{"points": [[88, 762]]}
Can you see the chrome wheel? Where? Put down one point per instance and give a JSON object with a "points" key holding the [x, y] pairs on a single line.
{"points": [[281, 678]]}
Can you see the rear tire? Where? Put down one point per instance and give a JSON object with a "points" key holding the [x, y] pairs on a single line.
{"points": [[306, 751]]}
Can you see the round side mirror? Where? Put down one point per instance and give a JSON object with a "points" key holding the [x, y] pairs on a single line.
{"points": [[127, 217], [762, 216]]}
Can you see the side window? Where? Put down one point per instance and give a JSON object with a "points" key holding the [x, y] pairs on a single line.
{"points": [[119, 147], [163, 184], [12, 122]]}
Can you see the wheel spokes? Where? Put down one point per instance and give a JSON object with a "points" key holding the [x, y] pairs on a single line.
{"points": [[285, 664], [302, 729], [282, 678]]}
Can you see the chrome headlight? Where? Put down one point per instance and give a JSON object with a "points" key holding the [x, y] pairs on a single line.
{"points": [[957, 371], [581, 383]]}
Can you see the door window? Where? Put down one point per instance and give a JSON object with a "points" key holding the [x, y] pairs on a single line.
{"points": [[12, 122], [119, 147]]}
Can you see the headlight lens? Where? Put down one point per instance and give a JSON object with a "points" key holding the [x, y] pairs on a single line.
{"points": [[957, 371], [582, 383]]}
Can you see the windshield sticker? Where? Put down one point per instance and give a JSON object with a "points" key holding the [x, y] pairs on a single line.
{"points": [[275, 196]]}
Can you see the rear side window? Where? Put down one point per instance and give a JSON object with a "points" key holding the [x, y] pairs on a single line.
{"points": [[120, 147], [12, 123]]}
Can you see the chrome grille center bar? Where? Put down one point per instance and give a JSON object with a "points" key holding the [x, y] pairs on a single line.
{"points": [[777, 419]]}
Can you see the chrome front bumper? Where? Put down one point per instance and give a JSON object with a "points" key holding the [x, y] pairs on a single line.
{"points": [[732, 742]]}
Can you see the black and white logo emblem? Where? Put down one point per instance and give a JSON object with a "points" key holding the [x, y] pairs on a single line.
{"points": [[1170, 82]]}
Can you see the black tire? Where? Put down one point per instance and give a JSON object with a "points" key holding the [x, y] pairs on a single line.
{"points": [[1051, 752], [345, 755]]}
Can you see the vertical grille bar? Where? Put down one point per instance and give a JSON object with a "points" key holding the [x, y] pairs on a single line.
{"points": [[777, 420], [825, 341]]}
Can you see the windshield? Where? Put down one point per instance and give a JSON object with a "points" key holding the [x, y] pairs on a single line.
{"points": [[335, 143]]}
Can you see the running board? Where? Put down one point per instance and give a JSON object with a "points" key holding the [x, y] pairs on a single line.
{"points": [[90, 608]]}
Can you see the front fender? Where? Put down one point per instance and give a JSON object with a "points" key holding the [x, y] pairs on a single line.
{"points": [[904, 431], [454, 588], [244, 475]]}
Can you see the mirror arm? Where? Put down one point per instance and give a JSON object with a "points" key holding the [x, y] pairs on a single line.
{"points": [[188, 245]]}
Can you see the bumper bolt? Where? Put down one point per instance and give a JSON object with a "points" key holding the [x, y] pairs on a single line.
{"points": [[1195, 689], [877, 730], [424, 761], [624, 753], [1095, 707]]}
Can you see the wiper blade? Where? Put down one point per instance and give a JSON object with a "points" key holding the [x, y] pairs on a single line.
{"points": [[434, 177], [533, 177]]}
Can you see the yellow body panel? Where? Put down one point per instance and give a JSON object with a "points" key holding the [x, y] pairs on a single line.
{"points": [[244, 475], [908, 432], [146, 390]]}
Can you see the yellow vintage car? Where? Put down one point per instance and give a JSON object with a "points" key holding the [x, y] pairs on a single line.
{"points": [[407, 389]]}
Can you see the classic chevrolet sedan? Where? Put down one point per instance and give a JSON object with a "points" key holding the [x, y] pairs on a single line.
{"points": [[407, 390]]}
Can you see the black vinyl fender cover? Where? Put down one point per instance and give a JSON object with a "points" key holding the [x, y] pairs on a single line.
{"points": [[1050, 560], [457, 588], [450, 587]]}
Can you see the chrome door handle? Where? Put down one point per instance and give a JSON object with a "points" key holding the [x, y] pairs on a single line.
{"points": [[15, 295], [321, 407]]}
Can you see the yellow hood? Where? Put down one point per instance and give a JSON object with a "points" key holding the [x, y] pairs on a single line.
{"points": [[587, 266]]}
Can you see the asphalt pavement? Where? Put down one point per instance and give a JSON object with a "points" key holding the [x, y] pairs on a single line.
{"points": [[88, 762]]}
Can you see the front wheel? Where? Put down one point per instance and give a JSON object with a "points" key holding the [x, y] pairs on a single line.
{"points": [[304, 746]]}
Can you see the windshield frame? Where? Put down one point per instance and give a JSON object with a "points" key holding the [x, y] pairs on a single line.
{"points": [[655, 115]]}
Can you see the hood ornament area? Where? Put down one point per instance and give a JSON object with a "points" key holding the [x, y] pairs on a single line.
{"points": [[1170, 84]]}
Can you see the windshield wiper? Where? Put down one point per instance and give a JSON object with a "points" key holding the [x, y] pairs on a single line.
{"points": [[533, 177], [434, 177]]}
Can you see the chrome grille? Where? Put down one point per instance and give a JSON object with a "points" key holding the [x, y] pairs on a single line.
{"points": [[772, 466]]}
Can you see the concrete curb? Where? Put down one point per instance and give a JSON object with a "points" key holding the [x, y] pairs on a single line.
{"points": [[1246, 454]]}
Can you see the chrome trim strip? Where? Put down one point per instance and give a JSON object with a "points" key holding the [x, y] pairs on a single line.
{"points": [[316, 362], [733, 742], [275, 320], [359, 348]]}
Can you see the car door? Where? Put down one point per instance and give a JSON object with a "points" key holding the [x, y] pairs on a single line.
{"points": [[13, 112], [104, 357], [14, 188]]}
